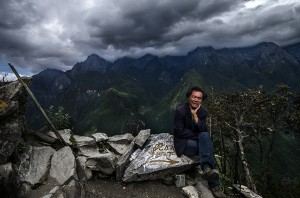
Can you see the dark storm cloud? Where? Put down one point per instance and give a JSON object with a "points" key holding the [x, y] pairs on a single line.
{"points": [[30, 36], [13, 16], [278, 23], [144, 23], [57, 34], [148, 23]]}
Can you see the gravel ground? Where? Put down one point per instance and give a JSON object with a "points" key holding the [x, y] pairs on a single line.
{"points": [[109, 188]]}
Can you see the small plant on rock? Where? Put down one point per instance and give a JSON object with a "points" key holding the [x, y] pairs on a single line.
{"points": [[59, 118]]}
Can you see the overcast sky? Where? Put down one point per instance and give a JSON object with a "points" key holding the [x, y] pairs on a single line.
{"points": [[36, 35]]}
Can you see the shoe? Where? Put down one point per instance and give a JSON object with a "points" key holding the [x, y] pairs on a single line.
{"points": [[210, 174], [218, 192]]}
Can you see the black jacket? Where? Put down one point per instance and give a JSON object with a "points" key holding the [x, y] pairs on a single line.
{"points": [[183, 126]]}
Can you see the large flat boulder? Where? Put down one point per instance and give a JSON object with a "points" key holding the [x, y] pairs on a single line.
{"points": [[157, 159]]}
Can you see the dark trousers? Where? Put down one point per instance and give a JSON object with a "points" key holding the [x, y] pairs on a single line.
{"points": [[204, 148]]}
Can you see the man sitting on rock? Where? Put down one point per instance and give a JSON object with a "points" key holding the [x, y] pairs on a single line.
{"points": [[191, 137]]}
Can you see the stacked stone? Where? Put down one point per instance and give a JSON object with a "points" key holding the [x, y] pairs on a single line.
{"points": [[12, 124]]}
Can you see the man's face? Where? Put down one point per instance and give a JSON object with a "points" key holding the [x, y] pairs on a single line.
{"points": [[195, 99]]}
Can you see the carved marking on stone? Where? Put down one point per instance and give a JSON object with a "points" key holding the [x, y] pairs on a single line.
{"points": [[169, 161]]}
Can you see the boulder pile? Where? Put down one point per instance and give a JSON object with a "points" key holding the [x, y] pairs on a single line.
{"points": [[48, 172]]}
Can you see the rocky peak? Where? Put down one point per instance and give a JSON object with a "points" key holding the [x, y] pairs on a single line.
{"points": [[47, 75], [202, 51], [266, 56], [270, 50], [271, 56], [122, 63], [93, 63], [94, 60], [50, 80], [137, 63], [203, 56], [146, 60], [267, 46], [148, 57], [261, 50]]}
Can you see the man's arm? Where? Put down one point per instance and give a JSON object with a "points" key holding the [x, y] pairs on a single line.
{"points": [[202, 122], [194, 114], [179, 128]]}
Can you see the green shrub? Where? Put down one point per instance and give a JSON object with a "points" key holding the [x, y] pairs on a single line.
{"points": [[59, 118]]}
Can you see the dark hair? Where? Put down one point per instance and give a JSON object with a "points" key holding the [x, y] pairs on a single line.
{"points": [[189, 92]]}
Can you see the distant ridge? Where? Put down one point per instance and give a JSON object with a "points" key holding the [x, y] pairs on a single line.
{"points": [[130, 93]]}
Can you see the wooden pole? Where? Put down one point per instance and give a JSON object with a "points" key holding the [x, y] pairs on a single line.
{"points": [[38, 104]]}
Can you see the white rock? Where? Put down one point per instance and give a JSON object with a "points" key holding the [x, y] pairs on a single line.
{"points": [[190, 191], [86, 145], [142, 137], [121, 139], [203, 189], [104, 163], [65, 134], [119, 148], [100, 137], [84, 173], [34, 163], [63, 165]]}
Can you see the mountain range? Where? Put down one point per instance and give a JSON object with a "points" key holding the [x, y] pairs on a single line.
{"points": [[134, 93]]}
